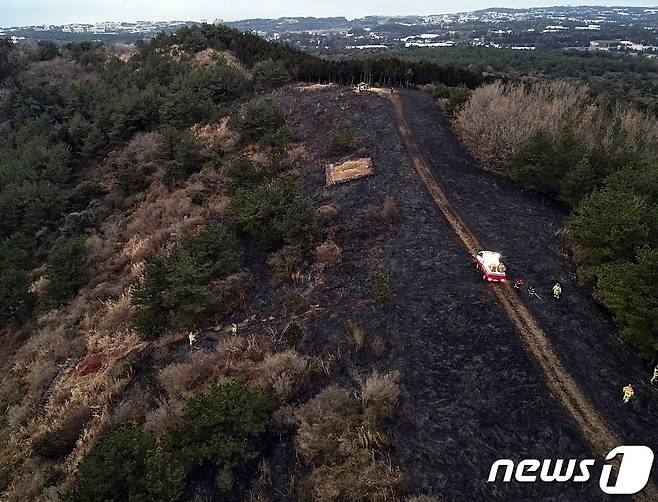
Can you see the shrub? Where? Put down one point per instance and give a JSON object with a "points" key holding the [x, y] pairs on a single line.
{"points": [[278, 141], [16, 299], [260, 119], [165, 475], [382, 287], [176, 287], [67, 270], [328, 212], [116, 468], [128, 178], [222, 429], [356, 335], [344, 142], [293, 334], [608, 226], [276, 214], [185, 158], [630, 290], [328, 254], [283, 263], [82, 194], [244, 174]]}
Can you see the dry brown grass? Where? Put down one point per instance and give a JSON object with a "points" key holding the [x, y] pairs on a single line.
{"points": [[284, 264], [378, 346], [211, 136], [287, 374], [380, 395], [356, 334], [339, 435], [329, 212], [165, 417], [362, 478], [327, 426], [390, 211], [328, 254]]}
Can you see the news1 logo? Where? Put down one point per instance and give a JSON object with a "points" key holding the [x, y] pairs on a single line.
{"points": [[633, 475]]}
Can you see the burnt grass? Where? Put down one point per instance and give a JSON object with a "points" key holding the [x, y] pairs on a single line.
{"points": [[470, 392]]}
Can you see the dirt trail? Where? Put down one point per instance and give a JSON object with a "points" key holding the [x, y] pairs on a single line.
{"points": [[561, 384]]}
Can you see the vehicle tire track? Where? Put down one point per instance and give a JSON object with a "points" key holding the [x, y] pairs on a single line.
{"points": [[561, 384]]}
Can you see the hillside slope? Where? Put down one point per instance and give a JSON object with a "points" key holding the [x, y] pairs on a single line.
{"points": [[473, 394]]}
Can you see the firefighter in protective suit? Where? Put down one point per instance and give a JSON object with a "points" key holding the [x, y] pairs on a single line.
{"points": [[628, 393], [557, 290], [654, 379], [192, 338]]}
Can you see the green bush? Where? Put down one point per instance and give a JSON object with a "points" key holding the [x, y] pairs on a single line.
{"points": [[82, 194], [541, 163], [244, 174], [344, 142], [260, 119], [630, 290], [276, 214], [185, 158], [128, 178], [456, 99], [382, 287], [176, 287], [222, 429], [67, 270], [16, 255], [116, 469], [607, 227]]}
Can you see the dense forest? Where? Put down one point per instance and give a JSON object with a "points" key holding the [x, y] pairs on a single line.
{"points": [[620, 76]]}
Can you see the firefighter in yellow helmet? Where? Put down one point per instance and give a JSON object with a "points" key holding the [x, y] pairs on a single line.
{"points": [[557, 290], [628, 393], [192, 338]]}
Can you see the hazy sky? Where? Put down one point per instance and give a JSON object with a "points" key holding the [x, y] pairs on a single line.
{"points": [[25, 12]]}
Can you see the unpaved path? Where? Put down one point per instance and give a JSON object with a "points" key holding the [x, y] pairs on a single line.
{"points": [[563, 386]]}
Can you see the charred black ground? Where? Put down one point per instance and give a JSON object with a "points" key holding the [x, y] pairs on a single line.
{"points": [[471, 393]]}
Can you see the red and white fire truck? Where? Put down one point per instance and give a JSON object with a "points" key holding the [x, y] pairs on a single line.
{"points": [[492, 268]]}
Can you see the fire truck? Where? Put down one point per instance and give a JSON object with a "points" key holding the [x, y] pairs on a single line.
{"points": [[492, 268]]}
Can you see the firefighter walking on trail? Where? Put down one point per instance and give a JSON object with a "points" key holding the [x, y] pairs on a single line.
{"points": [[192, 338], [654, 379], [628, 393], [557, 290]]}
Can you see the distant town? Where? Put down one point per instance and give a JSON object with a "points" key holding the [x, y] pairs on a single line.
{"points": [[632, 30]]}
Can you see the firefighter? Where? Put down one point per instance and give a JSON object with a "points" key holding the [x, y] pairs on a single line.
{"points": [[654, 379], [233, 329], [518, 284], [557, 290], [192, 338], [533, 292], [628, 393]]}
